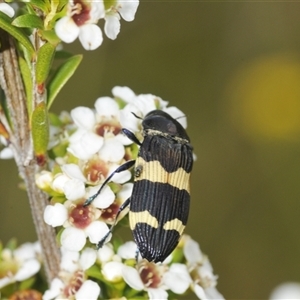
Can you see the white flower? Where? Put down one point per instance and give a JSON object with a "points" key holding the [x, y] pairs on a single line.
{"points": [[125, 8], [21, 263], [72, 281], [79, 221], [147, 277], [81, 225], [80, 22], [287, 290], [204, 281]]}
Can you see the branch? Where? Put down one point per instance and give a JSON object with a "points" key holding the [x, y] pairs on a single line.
{"points": [[20, 143]]}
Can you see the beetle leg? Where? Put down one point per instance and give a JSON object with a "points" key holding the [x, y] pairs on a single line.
{"points": [[121, 208], [137, 252], [131, 136], [121, 168]]}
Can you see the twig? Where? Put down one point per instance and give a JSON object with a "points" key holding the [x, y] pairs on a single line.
{"points": [[20, 143]]}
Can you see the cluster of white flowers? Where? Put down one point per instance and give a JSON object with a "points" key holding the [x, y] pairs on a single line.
{"points": [[116, 267], [82, 17], [95, 148], [19, 264]]}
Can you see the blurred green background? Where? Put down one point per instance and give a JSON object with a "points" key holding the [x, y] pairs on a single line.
{"points": [[234, 69]]}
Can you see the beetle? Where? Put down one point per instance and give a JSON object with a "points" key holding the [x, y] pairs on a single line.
{"points": [[160, 200]]}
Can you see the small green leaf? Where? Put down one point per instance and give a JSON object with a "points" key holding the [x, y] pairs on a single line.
{"points": [[43, 63], [61, 77], [27, 283], [28, 21], [50, 36], [40, 132], [17, 33], [26, 76]]}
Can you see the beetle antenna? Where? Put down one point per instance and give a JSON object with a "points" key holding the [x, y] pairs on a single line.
{"points": [[137, 116], [180, 117]]}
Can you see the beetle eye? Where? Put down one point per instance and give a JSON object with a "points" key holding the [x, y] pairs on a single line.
{"points": [[171, 127]]}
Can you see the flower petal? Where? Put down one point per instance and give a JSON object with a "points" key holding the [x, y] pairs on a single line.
{"points": [[97, 10], [177, 114], [87, 258], [128, 9], [128, 250], [132, 278], [73, 171], [7, 9], [112, 271], [55, 215], [59, 182], [287, 290], [90, 36], [69, 260], [25, 251], [84, 145], [105, 253], [44, 179], [213, 294], [121, 177], [66, 29], [28, 269], [112, 150], [123, 92], [55, 288], [192, 251], [112, 26], [126, 191], [96, 231], [128, 120], [199, 291], [74, 189], [177, 278], [105, 199], [146, 103], [73, 239], [83, 117], [6, 153], [88, 290], [157, 294], [106, 106]]}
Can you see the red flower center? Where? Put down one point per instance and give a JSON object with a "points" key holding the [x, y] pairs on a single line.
{"points": [[81, 216], [80, 12], [150, 275]]}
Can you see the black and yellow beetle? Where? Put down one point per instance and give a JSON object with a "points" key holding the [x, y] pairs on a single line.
{"points": [[160, 200]]}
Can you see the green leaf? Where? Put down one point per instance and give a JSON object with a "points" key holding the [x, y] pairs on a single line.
{"points": [[61, 77], [44, 61], [18, 34], [12, 244], [28, 21], [50, 36], [40, 132], [27, 283], [26, 76]]}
